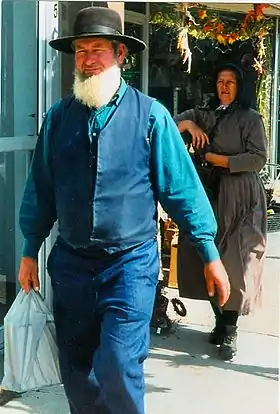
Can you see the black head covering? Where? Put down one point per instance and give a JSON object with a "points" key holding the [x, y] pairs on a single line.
{"points": [[240, 99]]}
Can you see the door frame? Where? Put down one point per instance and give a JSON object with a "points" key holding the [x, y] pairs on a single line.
{"points": [[143, 21], [49, 91], [20, 145], [275, 93]]}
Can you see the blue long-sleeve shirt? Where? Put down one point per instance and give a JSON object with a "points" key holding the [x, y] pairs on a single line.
{"points": [[176, 183]]}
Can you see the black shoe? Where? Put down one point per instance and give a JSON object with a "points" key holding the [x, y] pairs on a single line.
{"points": [[6, 396], [216, 337], [228, 348]]}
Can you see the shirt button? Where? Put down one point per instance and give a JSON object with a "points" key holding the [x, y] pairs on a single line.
{"points": [[94, 134]]}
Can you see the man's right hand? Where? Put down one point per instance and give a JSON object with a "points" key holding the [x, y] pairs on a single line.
{"points": [[28, 274], [217, 279]]}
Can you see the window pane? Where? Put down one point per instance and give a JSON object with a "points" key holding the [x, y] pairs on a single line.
{"points": [[13, 173], [18, 85], [132, 66], [138, 7]]}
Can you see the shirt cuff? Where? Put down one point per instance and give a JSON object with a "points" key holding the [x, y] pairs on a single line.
{"points": [[208, 251], [31, 248]]}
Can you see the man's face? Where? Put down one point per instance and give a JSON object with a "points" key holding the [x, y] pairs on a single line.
{"points": [[95, 55], [226, 87]]}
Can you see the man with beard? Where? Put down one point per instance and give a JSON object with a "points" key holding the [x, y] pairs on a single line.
{"points": [[104, 158]]}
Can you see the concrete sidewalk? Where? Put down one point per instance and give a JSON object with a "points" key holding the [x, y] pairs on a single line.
{"points": [[183, 372]]}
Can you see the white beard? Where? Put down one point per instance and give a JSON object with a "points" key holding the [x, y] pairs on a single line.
{"points": [[97, 90]]}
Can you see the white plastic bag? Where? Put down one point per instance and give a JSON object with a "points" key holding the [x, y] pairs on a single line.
{"points": [[31, 356]]}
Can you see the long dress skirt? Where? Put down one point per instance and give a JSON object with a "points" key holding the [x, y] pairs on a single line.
{"points": [[240, 211]]}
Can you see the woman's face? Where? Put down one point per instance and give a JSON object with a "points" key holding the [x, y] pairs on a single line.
{"points": [[226, 87]]}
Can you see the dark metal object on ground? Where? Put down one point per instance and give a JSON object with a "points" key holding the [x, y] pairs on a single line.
{"points": [[179, 307], [273, 220], [270, 176], [160, 320]]}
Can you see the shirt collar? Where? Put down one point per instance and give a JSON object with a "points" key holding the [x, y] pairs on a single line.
{"points": [[120, 93]]}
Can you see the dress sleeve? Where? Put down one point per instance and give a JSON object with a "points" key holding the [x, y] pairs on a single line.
{"points": [[188, 115], [254, 158]]}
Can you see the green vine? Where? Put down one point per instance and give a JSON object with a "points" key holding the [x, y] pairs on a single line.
{"points": [[200, 22], [263, 90]]}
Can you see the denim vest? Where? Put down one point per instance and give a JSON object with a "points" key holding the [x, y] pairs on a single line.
{"points": [[107, 202]]}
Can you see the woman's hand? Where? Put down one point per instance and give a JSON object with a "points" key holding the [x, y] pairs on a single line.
{"points": [[217, 160], [199, 137]]}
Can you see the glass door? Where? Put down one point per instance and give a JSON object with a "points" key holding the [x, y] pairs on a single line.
{"points": [[135, 70], [278, 120], [55, 19], [132, 67], [49, 92], [18, 112]]}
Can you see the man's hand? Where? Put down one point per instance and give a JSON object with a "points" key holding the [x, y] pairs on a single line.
{"points": [[28, 274], [216, 277]]}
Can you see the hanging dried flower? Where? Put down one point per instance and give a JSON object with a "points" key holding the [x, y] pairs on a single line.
{"points": [[219, 27], [207, 24], [221, 39], [202, 14], [183, 46], [183, 39]]}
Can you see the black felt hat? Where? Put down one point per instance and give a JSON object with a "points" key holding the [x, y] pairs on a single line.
{"points": [[97, 22]]}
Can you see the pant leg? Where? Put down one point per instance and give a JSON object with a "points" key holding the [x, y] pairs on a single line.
{"points": [[225, 316], [230, 317], [216, 309], [77, 330], [125, 306]]}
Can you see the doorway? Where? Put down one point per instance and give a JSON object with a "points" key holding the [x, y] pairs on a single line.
{"points": [[18, 109], [55, 77]]}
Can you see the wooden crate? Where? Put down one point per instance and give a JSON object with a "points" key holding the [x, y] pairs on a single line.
{"points": [[168, 236], [172, 279]]}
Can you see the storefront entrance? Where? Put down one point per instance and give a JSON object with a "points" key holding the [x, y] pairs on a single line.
{"points": [[31, 81], [56, 74], [33, 77], [18, 109]]}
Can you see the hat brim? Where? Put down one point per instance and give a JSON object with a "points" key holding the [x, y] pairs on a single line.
{"points": [[65, 44]]}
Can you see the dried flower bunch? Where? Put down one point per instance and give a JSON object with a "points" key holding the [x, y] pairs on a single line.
{"points": [[205, 23]]}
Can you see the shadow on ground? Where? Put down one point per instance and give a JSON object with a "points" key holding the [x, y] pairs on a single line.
{"points": [[187, 346]]}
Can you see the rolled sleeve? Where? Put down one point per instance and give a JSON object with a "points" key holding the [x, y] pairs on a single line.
{"points": [[208, 251], [31, 246], [38, 211]]}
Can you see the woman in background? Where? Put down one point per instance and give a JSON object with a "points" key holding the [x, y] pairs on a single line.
{"points": [[230, 141]]}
